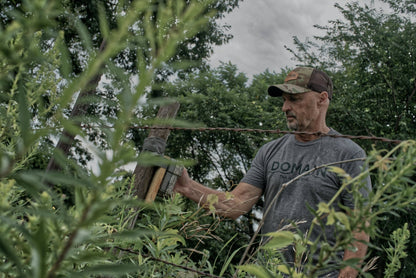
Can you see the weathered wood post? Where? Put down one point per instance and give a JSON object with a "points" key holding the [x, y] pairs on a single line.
{"points": [[155, 142]]}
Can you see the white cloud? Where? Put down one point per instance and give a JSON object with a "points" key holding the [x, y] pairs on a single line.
{"points": [[261, 29]]}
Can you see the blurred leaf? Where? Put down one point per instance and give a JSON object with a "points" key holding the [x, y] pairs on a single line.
{"points": [[257, 270], [279, 240], [10, 252], [40, 250], [108, 269]]}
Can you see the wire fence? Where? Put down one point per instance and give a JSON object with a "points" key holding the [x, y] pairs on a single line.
{"points": [[271, 131], [243, 130]]}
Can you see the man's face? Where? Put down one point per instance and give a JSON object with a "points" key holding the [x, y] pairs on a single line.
{"points": [[302, 111]]}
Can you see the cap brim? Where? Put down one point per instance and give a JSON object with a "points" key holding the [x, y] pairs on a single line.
{"points": [[278, 90]]}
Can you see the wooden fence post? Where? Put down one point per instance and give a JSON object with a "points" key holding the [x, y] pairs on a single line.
{"points": [[143, 174]]}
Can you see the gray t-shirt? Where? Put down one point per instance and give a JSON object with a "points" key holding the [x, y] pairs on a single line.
{"points": [[281, 160]]}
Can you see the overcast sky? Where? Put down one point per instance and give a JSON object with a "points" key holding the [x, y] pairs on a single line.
{"points": [[261, 29]]}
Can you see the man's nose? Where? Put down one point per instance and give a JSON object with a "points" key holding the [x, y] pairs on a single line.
{"points": [[285, 106]]}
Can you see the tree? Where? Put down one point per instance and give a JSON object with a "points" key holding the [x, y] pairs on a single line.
{"points": [[41, 73], [371, 53], [85, 27], [42, 234]]}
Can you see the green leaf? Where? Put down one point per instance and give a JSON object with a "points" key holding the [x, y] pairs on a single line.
{"points": [[323, 208], [330, 219], [284, 269], [24, 118], [104, 28], [10, 252], [32, 183], [257, 270], [228, 262], [108, 269], [279, 240], [340, 172], [40, 249], [343, 218]]}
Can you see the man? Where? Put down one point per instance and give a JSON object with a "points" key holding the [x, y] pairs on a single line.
{"points": [[306, 94]]}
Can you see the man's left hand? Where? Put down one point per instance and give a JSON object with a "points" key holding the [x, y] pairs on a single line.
{"points": [[348, 272]]}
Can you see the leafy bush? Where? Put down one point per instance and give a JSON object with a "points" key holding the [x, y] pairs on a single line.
{"points": [[393, 172], [72, 222], [75, 222]]}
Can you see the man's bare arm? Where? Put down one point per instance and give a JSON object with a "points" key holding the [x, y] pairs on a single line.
{"points": [[230, 204], [360, 250]]}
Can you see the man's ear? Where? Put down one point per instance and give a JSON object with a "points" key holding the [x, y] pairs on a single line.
{"points": [[323, 96]]}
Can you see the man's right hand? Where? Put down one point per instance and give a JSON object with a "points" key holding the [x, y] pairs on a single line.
{"points": [[182, 183], [231, 205]]}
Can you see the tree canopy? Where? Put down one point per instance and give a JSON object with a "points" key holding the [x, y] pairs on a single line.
{"points": [[114, 63], [371, 55]]}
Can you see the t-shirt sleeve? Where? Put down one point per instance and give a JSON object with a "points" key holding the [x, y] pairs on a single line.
{"points": [[256, 174]]}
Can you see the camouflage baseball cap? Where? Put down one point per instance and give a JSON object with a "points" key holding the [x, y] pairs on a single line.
{"points": [[302, 80]]}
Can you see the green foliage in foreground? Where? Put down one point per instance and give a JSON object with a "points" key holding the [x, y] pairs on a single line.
{"points": [[370, 53], [392, 172], [74, 223]]}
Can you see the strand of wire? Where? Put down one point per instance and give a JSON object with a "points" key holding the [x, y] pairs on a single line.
{"points": [[271, 131]]}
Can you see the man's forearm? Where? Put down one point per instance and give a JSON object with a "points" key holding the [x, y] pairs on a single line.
{"points": [[359, 251], [227, 204]]}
